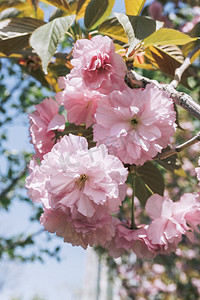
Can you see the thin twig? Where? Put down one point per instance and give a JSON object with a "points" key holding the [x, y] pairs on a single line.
{"points": [[13, 183], [179, 71], [179, 148]]}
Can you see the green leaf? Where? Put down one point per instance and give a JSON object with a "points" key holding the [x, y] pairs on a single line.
{"points": [[46, 38], [137, 28], [166, 36], [81, 6], [113, 28], [15, 33], [97, 11], [195, 32], [167, 58], [10, 12], [61, 4], [143, 27], [18, 26], [132, 40], [134, 7], [148, 180]]}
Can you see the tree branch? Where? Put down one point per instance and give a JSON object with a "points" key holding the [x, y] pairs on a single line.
{"points": [[179, 71], [179, 148], [182, 99], [13, 183]]}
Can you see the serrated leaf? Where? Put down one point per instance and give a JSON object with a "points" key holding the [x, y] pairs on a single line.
{"points": [[166, 36], [46, 38], [134, 7], [128, 28], [143, 26], [114, 29], [14, 45], [18, 26], [137, 28], [61, 4], [148, 180], [195, 32], [97, 11], [15, 33], [26, 9], [81, 7], [11, 12], [167, 58]]}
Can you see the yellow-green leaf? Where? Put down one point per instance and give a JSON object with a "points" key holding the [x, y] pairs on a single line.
{"points": [[62, 4], [167, 58], [137, 28], [45, 39], [195, 32], [166, 36], [26, 9], [97, 11], [134, 7], [113, 28], [14, 33], [143, 26], [128, 28], [81, 7]]}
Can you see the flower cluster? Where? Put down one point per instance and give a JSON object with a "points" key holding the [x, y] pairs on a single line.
{"points": [[82, 185], [170, 220]]}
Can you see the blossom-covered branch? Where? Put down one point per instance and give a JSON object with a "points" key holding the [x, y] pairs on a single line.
{"points": [[182, 99]]}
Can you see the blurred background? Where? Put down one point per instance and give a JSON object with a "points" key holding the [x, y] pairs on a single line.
{"points": [[35, 265]]}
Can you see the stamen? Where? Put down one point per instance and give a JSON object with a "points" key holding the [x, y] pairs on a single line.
{"points": [[81, 181], [134, 122]]}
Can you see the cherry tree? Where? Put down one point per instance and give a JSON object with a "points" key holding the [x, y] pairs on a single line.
{"points": [[106, 140]]}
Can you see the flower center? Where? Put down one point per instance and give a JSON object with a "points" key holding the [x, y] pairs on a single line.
{"points": [[134, 122], [81, 181]]}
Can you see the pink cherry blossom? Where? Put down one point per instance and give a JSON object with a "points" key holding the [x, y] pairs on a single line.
{"points": [[80, 102], [86, 185], [43, 123], [187, 211], [135, 124], [96, 62], [164, 230], [126, 239], [78, 231], [198, 172], [172, 219]]}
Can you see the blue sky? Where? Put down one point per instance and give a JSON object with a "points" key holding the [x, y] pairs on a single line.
{"points": [[51, 280]]}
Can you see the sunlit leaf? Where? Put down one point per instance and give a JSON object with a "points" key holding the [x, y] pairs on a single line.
{"points": [[195, 32], [97, 11], [167, 58], [137, 28], [26, 9], [62, 4], [15, 33], [114, 29], [166, 36], [81, 7], [134, 7], [132, 40], [46, 38], [143, 26], [11, 12]]}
